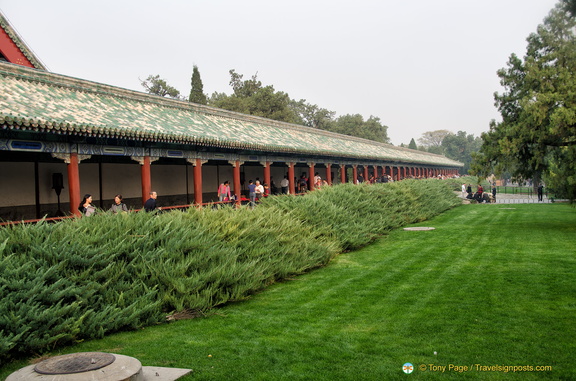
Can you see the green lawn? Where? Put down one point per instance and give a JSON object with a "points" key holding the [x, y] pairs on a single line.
{"points": [[491, 286]]}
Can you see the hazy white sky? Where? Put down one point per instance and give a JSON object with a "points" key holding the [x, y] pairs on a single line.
{"points": [[418, 65]]}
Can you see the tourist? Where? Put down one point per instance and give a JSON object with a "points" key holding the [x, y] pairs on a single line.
{"points": [[150, 204], [303, 183], [284, 184], [469, 191], [258, 190], [317, 180], [118, 205], [224, 191], [251, 192], [540, 192], [86, 207]]}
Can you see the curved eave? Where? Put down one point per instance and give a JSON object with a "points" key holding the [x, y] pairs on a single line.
{"points": [[86, 130]]}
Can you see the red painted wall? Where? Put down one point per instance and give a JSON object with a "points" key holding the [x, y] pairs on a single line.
{"points": [[12, 53]]}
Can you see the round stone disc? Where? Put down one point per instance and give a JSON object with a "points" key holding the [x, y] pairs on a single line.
{"points": [[75, 363]]}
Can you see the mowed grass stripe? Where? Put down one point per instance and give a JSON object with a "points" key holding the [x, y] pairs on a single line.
{"points": [[489, 286]]}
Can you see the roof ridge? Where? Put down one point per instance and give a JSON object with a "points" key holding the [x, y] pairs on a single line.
{"points": [[101, 88], [181, 125]]}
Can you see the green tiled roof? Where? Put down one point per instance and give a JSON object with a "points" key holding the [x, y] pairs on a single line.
{"points": [[35, 100], [4, 24]]}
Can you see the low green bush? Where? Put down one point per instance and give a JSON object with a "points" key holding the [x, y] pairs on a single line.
{"points": [[83, 278], [357, 214]]}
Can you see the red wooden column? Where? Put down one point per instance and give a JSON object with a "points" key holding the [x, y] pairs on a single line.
{"points": [[311, 174], [329, 173], [267, 173], [236, 180], [342, 173], [376, 173], [74, 183], [355, 173], [145, 178], [366, 174], [198, 182], [404, 168], [291, 186]]}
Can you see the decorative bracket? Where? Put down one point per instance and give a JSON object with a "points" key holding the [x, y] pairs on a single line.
{"points": [[65, 157]]}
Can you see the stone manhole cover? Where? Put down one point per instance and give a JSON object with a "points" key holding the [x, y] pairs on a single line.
{"points": [[75, 363], [419, 228]]}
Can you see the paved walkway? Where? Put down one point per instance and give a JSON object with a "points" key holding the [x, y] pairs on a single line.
{"points": [[504, 198]]}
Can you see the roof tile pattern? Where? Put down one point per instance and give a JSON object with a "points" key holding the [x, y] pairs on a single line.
{"points": [[31, 99]]}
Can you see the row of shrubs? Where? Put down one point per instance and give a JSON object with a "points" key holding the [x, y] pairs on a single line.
{"points": [[86, 277]]}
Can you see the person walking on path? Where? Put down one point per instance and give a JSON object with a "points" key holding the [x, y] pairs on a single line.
{"points": [[540, 192]]}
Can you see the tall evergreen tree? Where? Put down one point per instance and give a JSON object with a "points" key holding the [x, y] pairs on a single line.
{"points": [[197, 93], [537, 135], [412, 144]]}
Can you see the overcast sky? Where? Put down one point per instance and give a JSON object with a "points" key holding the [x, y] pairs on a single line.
{"points": [[419, 65]]}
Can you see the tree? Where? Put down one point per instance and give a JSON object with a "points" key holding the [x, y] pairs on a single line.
{"points": [[250, 97], [432, 140], [460, 147], [197, 92], [412, 144], [354, 125], [537, 135], [313, 116], [156, 85], [570, 6]]}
